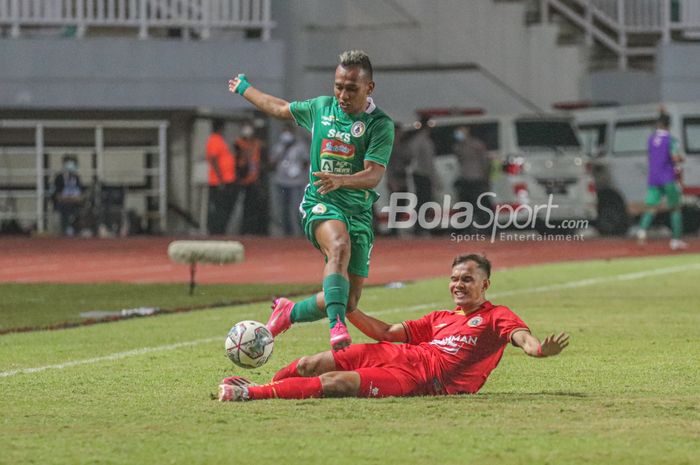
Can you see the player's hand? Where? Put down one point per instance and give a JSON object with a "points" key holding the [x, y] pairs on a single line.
{"points": [[553, 345], [238, 84], [327, 182]]}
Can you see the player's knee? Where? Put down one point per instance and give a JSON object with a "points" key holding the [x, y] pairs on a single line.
{"points": [[305, 366], [339, 248], [315, 365], [339, 384]]}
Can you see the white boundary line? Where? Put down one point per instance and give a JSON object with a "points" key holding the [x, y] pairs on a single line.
{"points": [[533, 290], [115, 356]]}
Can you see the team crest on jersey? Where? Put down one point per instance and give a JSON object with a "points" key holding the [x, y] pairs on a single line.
{"points": [[319, 209], [474, 322], [357, 129]]}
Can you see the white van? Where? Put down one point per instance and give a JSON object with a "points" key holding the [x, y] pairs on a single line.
{"points": [[615, 139], [533, 156]]}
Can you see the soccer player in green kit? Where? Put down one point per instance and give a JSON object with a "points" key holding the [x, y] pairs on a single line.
{"points": [[350, 148]]}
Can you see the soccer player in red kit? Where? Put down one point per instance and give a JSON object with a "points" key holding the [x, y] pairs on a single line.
{"points": [[445, 352]]}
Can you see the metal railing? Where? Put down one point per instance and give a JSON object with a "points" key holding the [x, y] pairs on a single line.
{"points": [[202, 15], [611, 22]]}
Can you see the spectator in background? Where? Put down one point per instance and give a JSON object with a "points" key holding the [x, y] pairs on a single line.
{"points": [[397, 170], [475, 171], [290, 160], [420, 152], [664, 160], [222, 176], [68, 195], [248, 150]]}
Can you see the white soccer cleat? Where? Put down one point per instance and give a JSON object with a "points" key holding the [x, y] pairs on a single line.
{"points": [[677, 244], [232, 392]]}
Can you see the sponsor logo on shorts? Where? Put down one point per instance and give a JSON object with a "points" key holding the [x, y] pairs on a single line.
{"points": [[335, 148], [373, 390], [357, 129], [319, 209], [474, 322]]}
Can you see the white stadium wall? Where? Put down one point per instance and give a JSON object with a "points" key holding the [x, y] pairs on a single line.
{"points": [[492, 35]]}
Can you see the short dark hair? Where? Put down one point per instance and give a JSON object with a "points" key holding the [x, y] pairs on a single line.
{"points": [[482, 262], [217, 124], [359, 58], [664, 119]]}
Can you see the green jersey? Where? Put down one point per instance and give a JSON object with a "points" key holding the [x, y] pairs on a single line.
{"points": [[340, 144]]}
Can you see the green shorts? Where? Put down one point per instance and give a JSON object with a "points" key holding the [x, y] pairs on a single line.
{"points": [[671, 190], [359, 227]]}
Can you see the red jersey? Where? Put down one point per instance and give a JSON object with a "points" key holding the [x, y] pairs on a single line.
{"points": [[458, 350]]}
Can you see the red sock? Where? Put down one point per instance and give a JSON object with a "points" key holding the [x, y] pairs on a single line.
{"points": [[289, 388], [290, 371]]}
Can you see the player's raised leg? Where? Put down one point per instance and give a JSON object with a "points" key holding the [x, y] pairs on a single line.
{"points": [[286, 312], [334, 241]]}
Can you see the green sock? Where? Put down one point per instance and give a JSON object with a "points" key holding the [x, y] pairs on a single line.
{"points": [[677, 224], [336, 289], [306, 311], [647, 218]]}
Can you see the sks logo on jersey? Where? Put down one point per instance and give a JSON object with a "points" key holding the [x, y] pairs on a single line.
{"points": [[452, 344], [340, 135], [474, 322], [336, 149], [357, 129]]}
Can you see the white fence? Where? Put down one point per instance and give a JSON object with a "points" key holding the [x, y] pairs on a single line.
{"points": [[202, 15]]}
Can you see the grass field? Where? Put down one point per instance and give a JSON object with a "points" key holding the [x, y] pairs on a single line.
{"points": [[626, 391], [42, 305]]}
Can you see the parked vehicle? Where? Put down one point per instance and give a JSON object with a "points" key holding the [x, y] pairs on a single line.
{"points": [[615, 140], [533, 156]]}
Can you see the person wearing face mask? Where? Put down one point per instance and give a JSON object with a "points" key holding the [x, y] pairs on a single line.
{"points": [[350, 149], [475, 171], [248, 150], [68, 195], [290, 159], [420, 153]]}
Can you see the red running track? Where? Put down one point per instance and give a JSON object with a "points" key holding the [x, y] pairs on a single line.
{"points": [[276, 260]]}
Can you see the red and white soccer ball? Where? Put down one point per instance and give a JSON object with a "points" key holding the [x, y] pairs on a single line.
{"points": [[249, 344]]}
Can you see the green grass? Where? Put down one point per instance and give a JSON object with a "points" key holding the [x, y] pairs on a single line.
{"points": [[626, 391], [42, 305]]}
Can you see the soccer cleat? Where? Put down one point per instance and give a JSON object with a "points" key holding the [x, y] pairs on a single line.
{"points": [[677, 244], [340, 338], [641, 236], [231, 392], [238, 381], [280, 319]]}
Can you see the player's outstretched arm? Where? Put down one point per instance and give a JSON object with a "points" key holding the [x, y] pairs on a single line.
{"points": [[377, 329], [552, 345], [268, 104]]}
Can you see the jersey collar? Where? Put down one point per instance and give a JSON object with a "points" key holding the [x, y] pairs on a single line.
{"points": [[486, 306], [370, 105]]}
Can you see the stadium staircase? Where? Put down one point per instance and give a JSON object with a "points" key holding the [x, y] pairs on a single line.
{"points": [[624, 34]]}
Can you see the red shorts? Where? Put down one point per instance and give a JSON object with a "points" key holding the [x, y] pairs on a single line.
{"points": [[385, 370]]}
